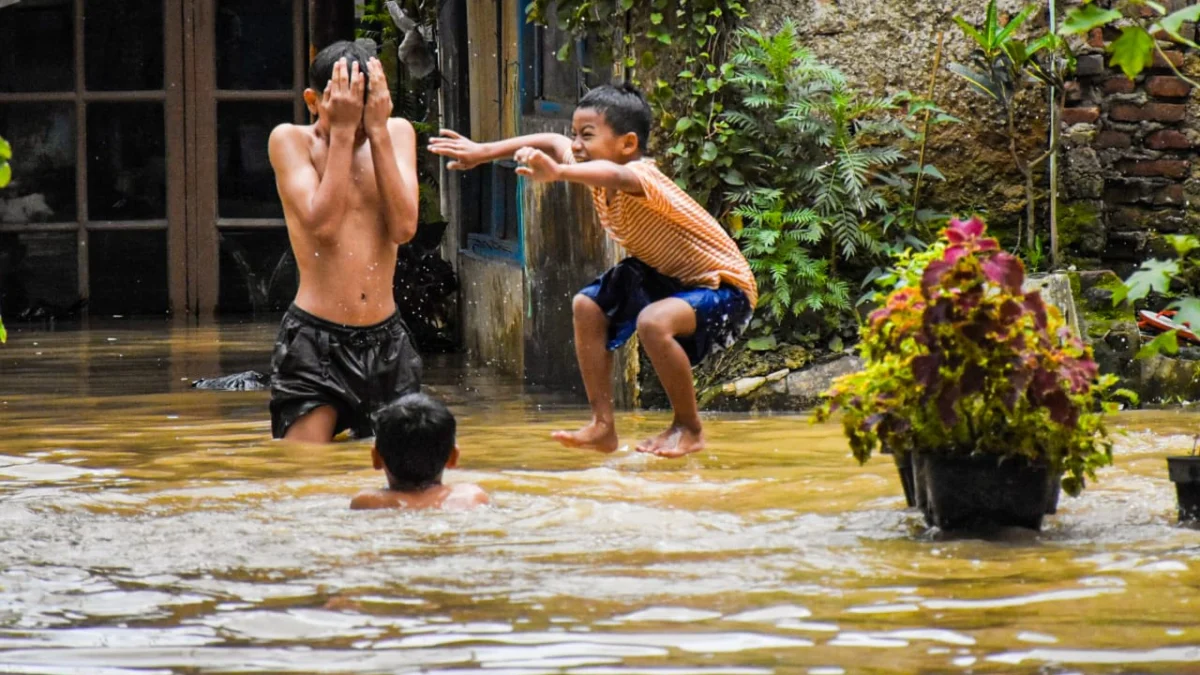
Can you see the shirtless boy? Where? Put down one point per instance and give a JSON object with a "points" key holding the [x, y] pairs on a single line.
{"points": [[348, 185], [687, 290], [414, 443]]}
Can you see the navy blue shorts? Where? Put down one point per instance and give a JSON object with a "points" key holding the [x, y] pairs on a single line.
{"points": [[631, 285]]}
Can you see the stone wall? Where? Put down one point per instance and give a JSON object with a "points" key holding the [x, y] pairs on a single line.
{"points": [[1129, 175], [886, 46]]}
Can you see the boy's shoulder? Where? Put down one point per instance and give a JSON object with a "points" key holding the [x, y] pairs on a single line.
{"points": [[465, 496], [458, 497]]}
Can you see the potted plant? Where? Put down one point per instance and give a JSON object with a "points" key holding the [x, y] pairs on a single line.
{"points": [[982, 385], [1176, 281]]}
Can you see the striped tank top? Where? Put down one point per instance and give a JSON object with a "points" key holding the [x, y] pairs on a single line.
{"points": [[666, 229]]}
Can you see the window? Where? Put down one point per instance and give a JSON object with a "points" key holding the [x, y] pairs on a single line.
{"points": [[551, 87]]}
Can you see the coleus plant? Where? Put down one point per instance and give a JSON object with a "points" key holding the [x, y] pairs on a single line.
{"points": [[964, 361]]}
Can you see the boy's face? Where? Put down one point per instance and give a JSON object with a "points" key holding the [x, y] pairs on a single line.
{"points": [[595, 139]]}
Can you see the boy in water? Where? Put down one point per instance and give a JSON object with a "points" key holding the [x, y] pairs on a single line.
{"points": [[348, 185], [686, 290], [414, 443]]}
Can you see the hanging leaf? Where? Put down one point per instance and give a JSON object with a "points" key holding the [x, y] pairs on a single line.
{"points": [[1133, 51], [3, 332], [1187, 312], [1172, 24], [1083, 19]]}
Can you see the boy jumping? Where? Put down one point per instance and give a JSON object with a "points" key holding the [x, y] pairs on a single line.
{"points": [[348, 184], [686, 288]]}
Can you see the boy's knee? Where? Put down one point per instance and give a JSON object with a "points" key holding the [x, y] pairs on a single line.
{"points": [[582, 305], [652, 325]]}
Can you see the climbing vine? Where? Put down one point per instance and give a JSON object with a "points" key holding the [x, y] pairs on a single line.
{"points": [[677, 51]]}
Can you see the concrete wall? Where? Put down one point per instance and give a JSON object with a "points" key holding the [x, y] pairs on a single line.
{"points": [[565, 249], [493, 304]]}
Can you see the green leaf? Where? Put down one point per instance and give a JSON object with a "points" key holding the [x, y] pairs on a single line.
{"points": [[1167, 342], [972, 32], [564, 52], [734, 177], [1015, 23], [3, 332], [683, 124], [626, 5], [761, 344], [664, 38], [5, 173], [1173, 23], [5, 149], [656, 18], [1133, 51], [1183, 243], [1083, 19], [1153, 275], [1187, 312], [709, 153], [976, 79]]}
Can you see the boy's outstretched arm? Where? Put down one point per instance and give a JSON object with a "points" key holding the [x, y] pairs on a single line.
{"points": [[394, 156], [597, 173], [466, 154], [317, 201]]}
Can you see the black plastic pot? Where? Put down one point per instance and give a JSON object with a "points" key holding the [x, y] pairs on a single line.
{"points": [[904, 466], [1185, 474], [958, 493]]}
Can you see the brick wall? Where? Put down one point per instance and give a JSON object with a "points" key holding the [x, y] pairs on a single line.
{"points": [[1128, 159]]}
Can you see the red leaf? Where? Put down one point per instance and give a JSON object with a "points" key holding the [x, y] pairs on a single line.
{"points": [[933, 274], [1033, 303], [945, 405], [925, 369], [968, 229], [1006, 270], [1010, 311]]}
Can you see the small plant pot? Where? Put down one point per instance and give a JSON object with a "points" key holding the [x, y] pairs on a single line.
{"points": [[970, 492], [904, 466], [1185, 474]]}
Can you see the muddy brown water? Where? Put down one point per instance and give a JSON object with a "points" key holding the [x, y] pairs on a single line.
{"points": [[149, 528]]}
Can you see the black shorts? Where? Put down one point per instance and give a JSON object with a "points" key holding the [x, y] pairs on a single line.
{"points": [[355, 369]]}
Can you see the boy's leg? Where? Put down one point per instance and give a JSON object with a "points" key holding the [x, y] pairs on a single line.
{"points": [[314, 427], [658, 325], [595, 364]]}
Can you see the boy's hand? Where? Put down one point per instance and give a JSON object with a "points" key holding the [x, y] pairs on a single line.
{"points": [[463, 152], [342, 103], [536, 164], [379, 100]]}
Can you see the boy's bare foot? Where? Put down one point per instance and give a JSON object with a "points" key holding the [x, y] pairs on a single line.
{"points": [[595, 436], [676, 441]]}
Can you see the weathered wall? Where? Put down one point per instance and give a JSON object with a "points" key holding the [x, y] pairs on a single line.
{"points": [[1129, 173], [493, 302], [565, 249], [886, 46]]}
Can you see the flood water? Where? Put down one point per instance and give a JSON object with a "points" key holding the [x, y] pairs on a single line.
{"points": [[149, 528]]}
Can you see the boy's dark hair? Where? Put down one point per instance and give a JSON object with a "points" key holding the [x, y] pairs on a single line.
{"points": [[321, 70], [624, 108], [415, 436]]}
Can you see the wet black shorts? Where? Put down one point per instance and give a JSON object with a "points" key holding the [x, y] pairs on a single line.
{"points": [[355, 369], [722, 314]]}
